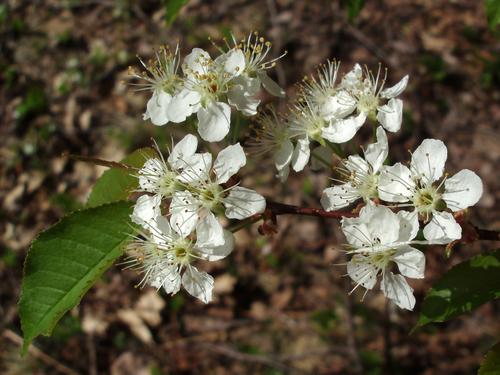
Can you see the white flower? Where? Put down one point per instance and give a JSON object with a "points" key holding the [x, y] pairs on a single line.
{"points": [[162, 78], [165, 257], [163, 178], [373, 100], [359, 177], [418, 185], [205, 194], [272, 136], [381, 239]]}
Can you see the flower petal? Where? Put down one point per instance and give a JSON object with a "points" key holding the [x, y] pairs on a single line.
{"points": [[183, 105], [462, 190], [233, 62], [410, 261], [408, 225], [377, 152], [337, 106], [283, 155], [271, 87], [243, 95], [391, 115], [218, 252], [242, 203], [301, 154], [352, 79], [229, 162], [146, 210], [214, 121], [196, 62], [382, 223], [395, 183], [182, 151], [356, 232], [396, 288], [396, 90], [429, 159], [209, 232], [198, 284], [157, 107], [197, 168], [362, 272], [150, 174], [184, 212], [169, 278], [442, 229], [338, 196], [341, 131]]}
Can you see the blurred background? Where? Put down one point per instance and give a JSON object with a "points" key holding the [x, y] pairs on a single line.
{"points": [[281, 304]]}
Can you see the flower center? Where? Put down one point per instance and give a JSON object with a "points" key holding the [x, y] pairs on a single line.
{"points": [[367, 187], [368, 103], [211, 196], [167, 184], [426, 200]]}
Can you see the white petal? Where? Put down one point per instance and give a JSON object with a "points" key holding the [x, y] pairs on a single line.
{"points": [[150, 174], [356, 164], [196, 62], [242, 203], [391, 115], [356, 232], [353, 78], [198, 284], [169, 278], [162, 233], [396, 288], [197, 168], [382, 223], [209, 232], [214, 121], [442, 229], [428, 160], [218, 252], [233, 62], [182, 151], [271, 87], [183, 104], [146, 210], [283, 174], [408, 225], [377, 152], [410, 261], [184, 212], [228, 162], [395, 90], [338, 106], [362, 272], [301, 154], [341, 131], [243, 95], [338, 196], [157, 107], [395, 183], [462, 190], [283, 155]]}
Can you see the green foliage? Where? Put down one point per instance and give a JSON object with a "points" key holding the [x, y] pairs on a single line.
{"points": [[65, 261], [33, 103], [116, 184], [172, 8], [491, 364], [65, 202], [354, 8], [462, 289], [492, 13]]}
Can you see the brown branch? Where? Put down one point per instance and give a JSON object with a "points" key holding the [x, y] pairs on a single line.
{"points": [[285, 209], [97, 161]]}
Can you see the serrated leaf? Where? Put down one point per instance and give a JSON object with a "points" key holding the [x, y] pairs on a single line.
{"points": [[65, 261], [173, 8], [491, 364], [492, 13], [465, 287], [116, 184]]}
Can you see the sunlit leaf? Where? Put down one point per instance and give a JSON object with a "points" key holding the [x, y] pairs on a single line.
{"points": [[66, 260], [173, 8]]}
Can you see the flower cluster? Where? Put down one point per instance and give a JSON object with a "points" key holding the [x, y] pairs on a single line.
{"points": [[328, 111], [208, 86], [196, 191]]}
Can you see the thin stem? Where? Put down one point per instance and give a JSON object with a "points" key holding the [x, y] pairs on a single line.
{"points": [[336, 149], [321, 160]]}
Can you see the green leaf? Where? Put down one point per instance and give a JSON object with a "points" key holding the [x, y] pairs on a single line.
{"points": [[116, 184], [491, 364], [354, 8], [173, 8], [462, 289], [65, 261], [492, 13]]}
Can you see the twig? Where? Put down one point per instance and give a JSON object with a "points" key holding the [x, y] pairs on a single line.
{"points": [[38, 354], [97, 161], [286, 209]]}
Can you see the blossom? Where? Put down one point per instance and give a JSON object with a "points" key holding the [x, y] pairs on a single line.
{"points": [[418, 186], [165, 256], [381, 239], [372, 100], [358, 176], [162, 79], [205, 194]]}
